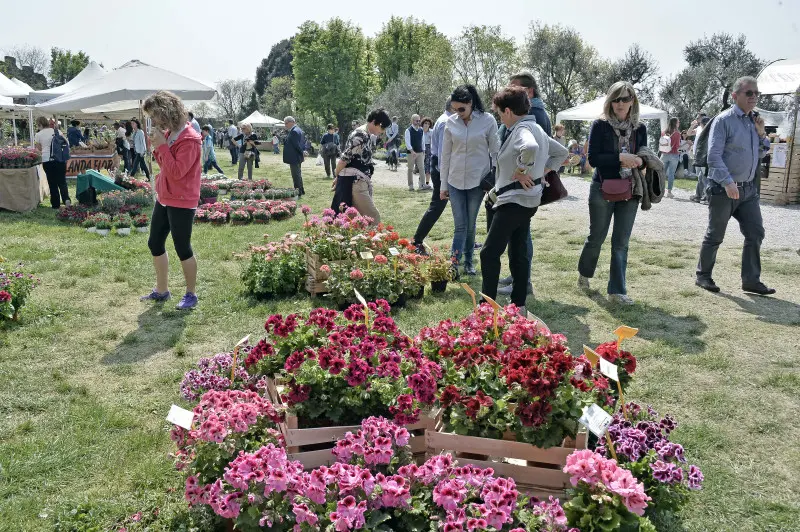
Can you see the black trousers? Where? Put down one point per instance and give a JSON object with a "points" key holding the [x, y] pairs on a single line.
{"points": [[139, 162], [57, 181], [173, 220], [297, 177], [511, 224], [435, 209], [330, 164]]}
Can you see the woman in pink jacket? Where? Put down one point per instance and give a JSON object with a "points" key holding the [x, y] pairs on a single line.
{"points": [[177, 149]]}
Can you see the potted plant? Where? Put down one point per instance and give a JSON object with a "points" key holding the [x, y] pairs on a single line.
{"points": [[208, 192], [89, 224], [217, 217], [240, 217], [140, 223], [103, 224], [122, 224], [261, 216], [440, 271]]}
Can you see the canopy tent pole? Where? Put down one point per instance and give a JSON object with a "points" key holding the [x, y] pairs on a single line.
{"points": [[14, 127], [30, 124]]}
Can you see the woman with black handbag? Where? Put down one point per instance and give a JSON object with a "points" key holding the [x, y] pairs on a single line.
{"points": [[613, 143], [469, 146]]}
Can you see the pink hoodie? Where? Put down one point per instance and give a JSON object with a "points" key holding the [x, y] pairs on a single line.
{"points": [[178, 182]]}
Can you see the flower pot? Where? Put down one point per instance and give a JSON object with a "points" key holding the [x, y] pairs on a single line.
{"points": [[240, 222], [209, 201], [438, 286], [142, 229], [401, 301], [123, 231], [92, 229], [260, 221], [418, 294], [103, 232]]}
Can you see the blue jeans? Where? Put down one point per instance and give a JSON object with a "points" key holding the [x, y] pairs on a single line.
{"points": [[465, 205], [671, 162], [600, 214]]}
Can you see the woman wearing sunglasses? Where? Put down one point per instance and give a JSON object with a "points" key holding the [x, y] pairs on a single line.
{"points": [[613, 143], [469, 147]]}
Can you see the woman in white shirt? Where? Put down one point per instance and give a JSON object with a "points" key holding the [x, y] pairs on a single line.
{"points": [[469, 147], [55, 171]]}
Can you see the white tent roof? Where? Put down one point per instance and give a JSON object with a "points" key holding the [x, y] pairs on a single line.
{"points": [[92, 72], [11, 89], [594, 109], [259, 120], [781, 77], [21, 84], [133, 81]]}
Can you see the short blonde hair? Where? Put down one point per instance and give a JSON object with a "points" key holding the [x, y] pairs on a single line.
{"points": [[42, 122], [247, 125], [618, 90], [166, 109]]}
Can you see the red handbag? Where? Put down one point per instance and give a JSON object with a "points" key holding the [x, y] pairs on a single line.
{"points": [[554, 189], [617, 189]]}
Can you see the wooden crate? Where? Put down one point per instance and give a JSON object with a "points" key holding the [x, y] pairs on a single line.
{"points": [[315, 280], [303, 444], [536, 471], [781, 186]]}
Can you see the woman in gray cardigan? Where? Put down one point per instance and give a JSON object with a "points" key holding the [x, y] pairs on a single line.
{"points": [[526, 154]]}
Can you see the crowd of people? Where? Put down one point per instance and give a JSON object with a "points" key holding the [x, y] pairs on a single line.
{"points": [[467, 160]]}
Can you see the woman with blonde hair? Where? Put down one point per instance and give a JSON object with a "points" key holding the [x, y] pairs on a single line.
{"points": [[613, 142], [177, 150]]}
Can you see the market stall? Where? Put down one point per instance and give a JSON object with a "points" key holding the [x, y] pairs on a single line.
{"points": [[92, 72], [780, 184], [23, 184]]}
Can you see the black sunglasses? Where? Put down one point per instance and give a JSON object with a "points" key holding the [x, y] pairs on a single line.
{"points": [[622, 99], [750, 94], [459, 109]]}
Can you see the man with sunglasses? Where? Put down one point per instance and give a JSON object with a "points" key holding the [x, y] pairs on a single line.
{"points": [[737, 142]]}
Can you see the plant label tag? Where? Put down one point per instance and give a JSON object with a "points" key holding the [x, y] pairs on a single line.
{"points": [[360, 298], [366, 255], [593, 357], [293, 236], [181, 417], [393, 252], [541, 326], [623, 332], [595, 419], [609, 370], [243, 341], [471, 292], [491, 301]]}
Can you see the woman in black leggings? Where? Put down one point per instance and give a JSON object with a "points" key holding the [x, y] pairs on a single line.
{"points": [[177, 150]]}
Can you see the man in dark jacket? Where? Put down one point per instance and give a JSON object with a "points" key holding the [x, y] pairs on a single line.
{"points": [[526, 80], [293, 152]]}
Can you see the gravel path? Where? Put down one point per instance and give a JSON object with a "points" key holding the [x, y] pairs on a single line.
{"points": [[676, 219]]}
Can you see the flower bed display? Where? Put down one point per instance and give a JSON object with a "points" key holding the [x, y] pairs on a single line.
{"points": [[114, 203], [242, 212], [276, 269], [19, 157], [15, 287]]}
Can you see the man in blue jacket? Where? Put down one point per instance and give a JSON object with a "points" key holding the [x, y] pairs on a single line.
{"points": [[293, 152]]}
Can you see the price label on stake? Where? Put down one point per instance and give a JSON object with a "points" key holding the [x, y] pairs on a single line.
{"points": [[609, 370], [293, 236], [393, 252], [623, 332], [366, 255], [238, 346], [595, 419], [496, 308], [366, 308], [591, 355], [181, 417], [471, 292]]}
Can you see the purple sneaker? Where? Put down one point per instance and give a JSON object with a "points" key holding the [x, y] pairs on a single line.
{"points": [[188, 302], [155, 296]]}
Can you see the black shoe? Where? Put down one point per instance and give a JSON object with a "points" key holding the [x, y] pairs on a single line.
{"points": [[707, 284], [758, 288], [421, 250]]}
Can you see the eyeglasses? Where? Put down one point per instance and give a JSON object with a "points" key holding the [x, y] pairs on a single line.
{"points": [[623, 99], [459, 109], [750, 94]]}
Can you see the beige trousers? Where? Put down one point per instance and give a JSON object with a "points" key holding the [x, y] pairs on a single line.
{"points": [[362, 200], [419, 160]]}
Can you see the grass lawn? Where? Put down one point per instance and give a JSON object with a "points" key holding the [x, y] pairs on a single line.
{"points": [[88, 374]]}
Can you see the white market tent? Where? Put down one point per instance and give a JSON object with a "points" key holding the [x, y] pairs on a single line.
{"points": [[780, 77], [594, 109], [126, 87], [259, 120], [92, 72], [21, 84], [10, 89]]}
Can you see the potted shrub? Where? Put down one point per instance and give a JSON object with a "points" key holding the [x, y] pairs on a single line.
{"points": [[122, 224], [440, 271], [140, 222], [218, 218], [103, 225], [240, 217], [208, 192], [261, 216], [89, 224]]}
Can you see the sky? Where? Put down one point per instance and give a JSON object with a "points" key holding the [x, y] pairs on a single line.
{"points": [[214, 40]]}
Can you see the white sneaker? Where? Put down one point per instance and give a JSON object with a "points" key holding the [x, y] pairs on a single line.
{"points": [[669, 194], [583, 282], [622, 299]]}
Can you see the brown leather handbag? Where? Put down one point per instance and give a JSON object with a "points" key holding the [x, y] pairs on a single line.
{"points": [[617, 189], [553, 190]]}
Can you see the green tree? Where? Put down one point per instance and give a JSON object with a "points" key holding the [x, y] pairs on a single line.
{"points": [[401, 44], [565, 67], [278, 99], [484, 57], [65, 65], [233, 96], [333, 71], [277, 64], [638, 67]]}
